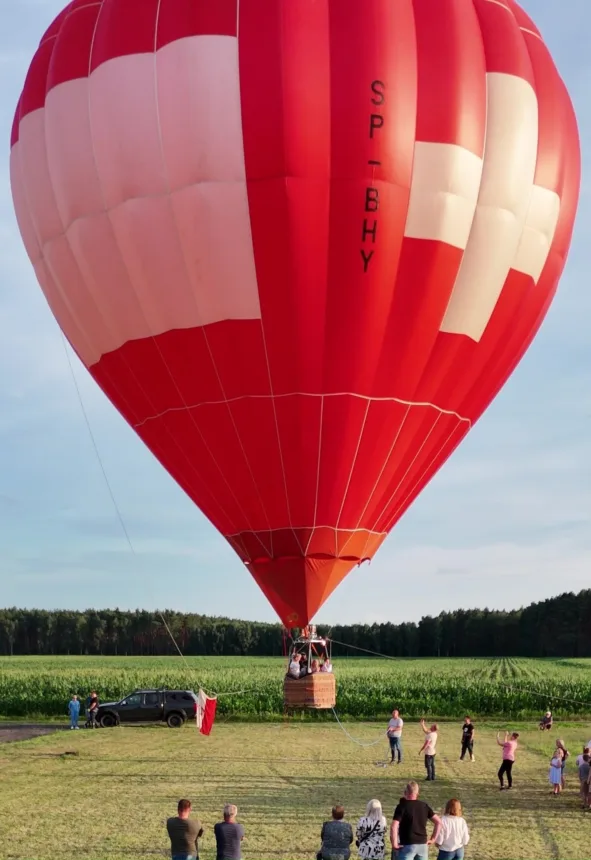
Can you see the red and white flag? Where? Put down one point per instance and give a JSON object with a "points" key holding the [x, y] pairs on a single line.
{"points": [[205, 715]]}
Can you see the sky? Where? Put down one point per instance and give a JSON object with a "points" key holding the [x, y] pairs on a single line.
{"points": [[507, 521]]}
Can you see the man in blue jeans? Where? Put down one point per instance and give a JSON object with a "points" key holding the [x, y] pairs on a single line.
{"points": [[408, 831], [395, 735], [184, 833]]}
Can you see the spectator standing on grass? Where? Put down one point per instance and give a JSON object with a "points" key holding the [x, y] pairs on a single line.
{"points": [[555, 774], [229, 834], [509, 748], [74, 711], [336, 836], [584, 769], [371, 832], [467, 739], [394, 733], [565, 754], [93, 706], [454, 834], [408, 831], [580, 758], [430, 748], [184, 833]]}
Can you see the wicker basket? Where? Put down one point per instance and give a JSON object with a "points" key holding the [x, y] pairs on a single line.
{"points": [[312, 691]]}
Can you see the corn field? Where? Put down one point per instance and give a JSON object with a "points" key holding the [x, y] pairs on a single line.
{"points": [[251, 687]]}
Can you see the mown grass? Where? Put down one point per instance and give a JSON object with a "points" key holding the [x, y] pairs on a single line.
{"points": [[366, 688], [111, 799]]}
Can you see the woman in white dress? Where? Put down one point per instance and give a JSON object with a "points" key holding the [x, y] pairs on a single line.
{"points": [[371, 832]]}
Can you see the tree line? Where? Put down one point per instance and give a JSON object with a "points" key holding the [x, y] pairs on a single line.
{"points": [[558, 627]]}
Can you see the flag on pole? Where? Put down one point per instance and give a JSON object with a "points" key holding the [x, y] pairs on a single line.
{"points": [[205, 714]]}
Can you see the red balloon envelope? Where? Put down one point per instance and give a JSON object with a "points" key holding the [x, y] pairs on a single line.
{"points": [[299, 244]]}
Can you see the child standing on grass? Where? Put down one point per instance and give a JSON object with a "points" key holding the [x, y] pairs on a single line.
{"points": [[565, 754], [555, 775], [584, 769], [74, 711]]}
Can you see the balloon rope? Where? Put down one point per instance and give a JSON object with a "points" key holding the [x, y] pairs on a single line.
{"points": [[355, 740], [122, 521], [95, 446], [501, 684], [110, 490], [366, 650]]}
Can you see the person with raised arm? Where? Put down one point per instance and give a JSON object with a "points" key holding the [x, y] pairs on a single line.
{"points": [[429, 748], [509, 748]]}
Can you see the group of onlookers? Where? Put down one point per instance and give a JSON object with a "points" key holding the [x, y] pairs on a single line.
{"points": [[429, 748], [184, 833], [92, 705], [298, 666], [407, 834], [509, 745], [556, 774]]}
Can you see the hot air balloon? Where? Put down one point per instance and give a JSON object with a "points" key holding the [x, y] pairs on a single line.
{"points": [[299, 245]]}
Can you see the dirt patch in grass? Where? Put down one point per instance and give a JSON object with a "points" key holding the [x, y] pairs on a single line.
{"points": [[12, 734]]}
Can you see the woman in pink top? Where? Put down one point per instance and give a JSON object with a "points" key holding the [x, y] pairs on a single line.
{"points": [[509, 746]]}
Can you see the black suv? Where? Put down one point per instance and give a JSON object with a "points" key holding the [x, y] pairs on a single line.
{"points": [[173, 707]]}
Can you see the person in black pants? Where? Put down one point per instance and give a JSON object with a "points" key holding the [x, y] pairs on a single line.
{"points": [[509, 747], [467, 739]]}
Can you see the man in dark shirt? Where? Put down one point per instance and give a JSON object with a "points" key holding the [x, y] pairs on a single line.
{"points": [[184, 833], [228, 835], [93, 705], [467, 739], [408, 831]]}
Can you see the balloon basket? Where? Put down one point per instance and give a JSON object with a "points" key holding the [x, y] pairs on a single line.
{"points": [[317, 691]]}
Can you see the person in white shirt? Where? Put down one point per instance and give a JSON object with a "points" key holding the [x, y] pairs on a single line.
{"points": [[429, 748], [454, 834], [326, 666], [394, 734], [294, 666], [579, 759]]}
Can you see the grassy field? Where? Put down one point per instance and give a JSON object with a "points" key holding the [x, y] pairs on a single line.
{"points": [[110, 800], [366, 688]]}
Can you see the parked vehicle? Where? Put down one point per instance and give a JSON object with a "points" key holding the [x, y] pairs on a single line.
{"points": [[173, 707]]}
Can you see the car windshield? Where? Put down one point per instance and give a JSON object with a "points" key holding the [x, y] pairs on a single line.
{"points": [[132, 700]]}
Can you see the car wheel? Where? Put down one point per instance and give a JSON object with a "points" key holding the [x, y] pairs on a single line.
{"points": [[174, 721], [109, 721]]}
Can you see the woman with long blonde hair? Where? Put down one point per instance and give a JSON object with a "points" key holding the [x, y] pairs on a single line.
{"points": [[371, 832], [454, 834]]}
